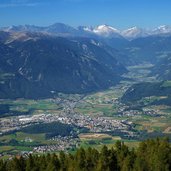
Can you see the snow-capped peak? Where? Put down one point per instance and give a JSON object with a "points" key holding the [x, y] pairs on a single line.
{"points": [[11, 28], [106, 28], [134, 32], [106, 31], [163, 29], [135, 28]]}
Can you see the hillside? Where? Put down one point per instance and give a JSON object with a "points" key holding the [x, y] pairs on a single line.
{"points": [[39, 66], [160, 93], [147, 49], [162, 70]]}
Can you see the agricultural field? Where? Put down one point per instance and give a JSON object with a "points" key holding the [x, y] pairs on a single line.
{"points": [[26, 106], [167, 84], [98, 140], [101, 103], [21, 141]]}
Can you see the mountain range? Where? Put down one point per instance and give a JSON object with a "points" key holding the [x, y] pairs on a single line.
{"points": [[39, 62], [99, 31], [34, 65]]}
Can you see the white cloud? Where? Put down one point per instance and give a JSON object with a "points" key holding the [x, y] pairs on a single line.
{"points": [[18, 3]]}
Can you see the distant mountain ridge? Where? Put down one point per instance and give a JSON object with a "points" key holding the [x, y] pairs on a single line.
{"points": [[99, 31]]}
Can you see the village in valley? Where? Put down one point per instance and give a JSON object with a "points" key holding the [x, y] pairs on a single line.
{"points": [[86, 120]]}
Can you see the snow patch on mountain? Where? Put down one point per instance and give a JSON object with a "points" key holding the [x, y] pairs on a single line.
{"points": [[134, 32], [106, 31], [164, 29]]}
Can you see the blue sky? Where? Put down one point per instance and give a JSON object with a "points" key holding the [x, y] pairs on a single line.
{"points": [[118, 13]]}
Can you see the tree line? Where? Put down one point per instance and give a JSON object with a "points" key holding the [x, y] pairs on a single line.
{"points": [[151, 155]]}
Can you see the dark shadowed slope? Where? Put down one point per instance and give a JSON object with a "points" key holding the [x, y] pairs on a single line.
{"points": [[39, 66]]}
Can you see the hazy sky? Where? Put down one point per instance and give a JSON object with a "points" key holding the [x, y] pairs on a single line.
{"points": [[118, 13]]}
